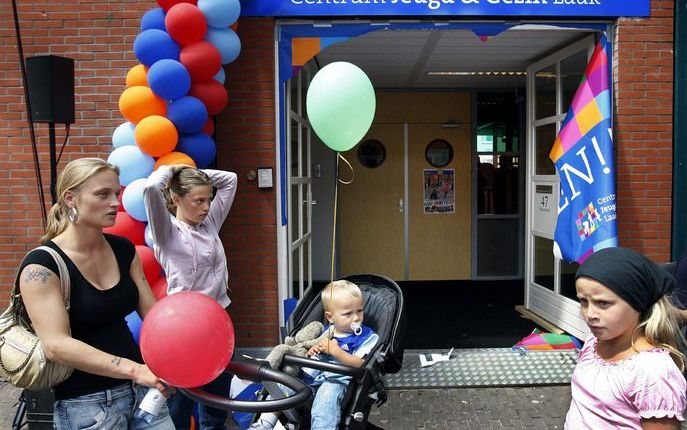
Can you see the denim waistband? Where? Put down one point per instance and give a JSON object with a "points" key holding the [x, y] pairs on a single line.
{"points": [[106, 396]]}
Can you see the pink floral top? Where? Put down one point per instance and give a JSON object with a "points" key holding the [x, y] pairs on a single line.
{"points": [[617, 395]]}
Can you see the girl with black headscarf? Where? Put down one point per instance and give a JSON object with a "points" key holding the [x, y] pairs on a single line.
{"points": [[628, 374]]}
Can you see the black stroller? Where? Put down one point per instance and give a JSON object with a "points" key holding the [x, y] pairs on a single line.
{"points": [[384, 313]]}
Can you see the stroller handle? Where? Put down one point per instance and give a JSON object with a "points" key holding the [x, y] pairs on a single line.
{"points": [[327, 366], [254, 372]]}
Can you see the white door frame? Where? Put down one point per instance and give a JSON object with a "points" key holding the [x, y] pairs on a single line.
{"points": [[541, 208]]}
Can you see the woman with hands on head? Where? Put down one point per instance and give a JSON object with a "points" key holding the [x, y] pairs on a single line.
{"points": [[107, 284], [188, 247]]}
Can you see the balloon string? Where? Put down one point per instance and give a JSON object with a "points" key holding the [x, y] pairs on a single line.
{"points": [[336, 195], [331, 273], [349, 166]]}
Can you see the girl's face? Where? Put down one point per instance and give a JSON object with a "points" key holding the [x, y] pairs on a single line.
{"points": [[97, 200], [194, 206], [608, 316], [345, 309]]}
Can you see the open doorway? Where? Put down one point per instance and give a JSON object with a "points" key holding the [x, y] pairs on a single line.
{"points": [[441, 191]]}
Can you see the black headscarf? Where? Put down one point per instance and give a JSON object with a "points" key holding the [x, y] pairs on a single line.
{"points": [[636, 279]]}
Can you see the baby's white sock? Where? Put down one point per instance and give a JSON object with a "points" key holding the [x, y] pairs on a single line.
{"points": [[268, 419]]}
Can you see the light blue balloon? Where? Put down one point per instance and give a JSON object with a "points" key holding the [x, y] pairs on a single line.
{"points": [[133, 321], [132, 199], [226, 41], [132, 162], [220, 13], [221, 76], [123, 135], [148, 235]]}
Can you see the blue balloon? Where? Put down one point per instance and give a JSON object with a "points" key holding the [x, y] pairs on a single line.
{"points": [[154, 18], [154, 45], [221, 76], [169, 79], [226, 41], [132, 200], [188, 114], [123, 135], [132, 162], [199, 146], [220, 13], [133, 321], [148, 236]]}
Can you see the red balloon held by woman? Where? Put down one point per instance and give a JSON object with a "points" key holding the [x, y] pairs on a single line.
{"points": [[187, 339]]}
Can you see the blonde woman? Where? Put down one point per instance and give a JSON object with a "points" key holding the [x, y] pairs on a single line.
{"points": [[190, 251], [107, 284]]}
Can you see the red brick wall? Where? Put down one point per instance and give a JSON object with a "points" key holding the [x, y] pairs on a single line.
{"points": [[246, 134], [643, 130]]}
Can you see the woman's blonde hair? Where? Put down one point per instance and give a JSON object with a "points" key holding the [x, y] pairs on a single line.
{"points": [[660, 328], [337, 288], [183, 180], [73, 176]]}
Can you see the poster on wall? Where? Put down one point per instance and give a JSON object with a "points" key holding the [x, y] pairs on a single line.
{"points": [[439, 191]]}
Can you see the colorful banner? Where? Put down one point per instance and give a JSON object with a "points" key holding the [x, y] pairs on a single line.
{"points": [[491, 8], [583, 154]]}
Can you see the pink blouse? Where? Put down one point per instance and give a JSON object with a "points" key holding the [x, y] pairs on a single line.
{"points": [[617, 395]]}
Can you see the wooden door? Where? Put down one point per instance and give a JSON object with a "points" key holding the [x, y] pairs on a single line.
{"points": [[370, 222]]}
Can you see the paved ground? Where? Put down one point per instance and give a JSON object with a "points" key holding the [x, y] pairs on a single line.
{"points": [[447, 409], [469, 408]]}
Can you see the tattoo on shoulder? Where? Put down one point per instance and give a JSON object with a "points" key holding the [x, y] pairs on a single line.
{"points": [[116, 360], [38, 275]]}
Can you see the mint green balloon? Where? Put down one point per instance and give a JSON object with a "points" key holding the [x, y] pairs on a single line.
{"points": [[341, 105]]}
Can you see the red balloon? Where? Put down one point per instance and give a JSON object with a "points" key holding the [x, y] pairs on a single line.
{"points": [[159, 288], [151, 268], [201, 59], [213, 95], [185, 23], [126, 226], [209, 127], [187, 339], [121, 194], [167, 4]]}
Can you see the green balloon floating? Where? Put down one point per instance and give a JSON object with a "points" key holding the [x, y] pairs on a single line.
{"points": [[341, 105]]}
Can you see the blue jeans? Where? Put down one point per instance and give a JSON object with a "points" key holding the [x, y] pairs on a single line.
{"points": [[181, 407], [325, 413], [111, 409]]}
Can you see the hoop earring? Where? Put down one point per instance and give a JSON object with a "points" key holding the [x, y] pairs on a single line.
{"points": [[73, 215]]}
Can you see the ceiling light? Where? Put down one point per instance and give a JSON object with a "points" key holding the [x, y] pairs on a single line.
{"points": [[478, 73]]}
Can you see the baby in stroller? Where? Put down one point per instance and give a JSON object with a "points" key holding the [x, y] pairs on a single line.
{"points": [[348, 342]]}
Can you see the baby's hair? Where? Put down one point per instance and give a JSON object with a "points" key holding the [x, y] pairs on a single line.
{"points": [[338, 288], [183, 180], [660, 327]]}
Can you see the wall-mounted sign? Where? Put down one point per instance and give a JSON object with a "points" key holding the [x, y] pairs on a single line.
{"points": [[482, 8]]}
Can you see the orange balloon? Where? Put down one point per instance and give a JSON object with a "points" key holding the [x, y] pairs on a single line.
{"points": [[234, 26], [138, 102], [156, 135], [174, 158], [137, 75]]}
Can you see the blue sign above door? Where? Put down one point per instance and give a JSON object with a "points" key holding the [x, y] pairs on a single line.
{"points": [[467, 8]]}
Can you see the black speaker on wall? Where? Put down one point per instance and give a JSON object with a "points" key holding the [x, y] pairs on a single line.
{"points": [[50, 80]]}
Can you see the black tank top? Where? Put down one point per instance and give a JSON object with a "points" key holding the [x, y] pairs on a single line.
{"points": [[96, 316]]}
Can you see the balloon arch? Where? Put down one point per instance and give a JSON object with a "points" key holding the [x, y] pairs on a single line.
{"points": [[168, 104]]}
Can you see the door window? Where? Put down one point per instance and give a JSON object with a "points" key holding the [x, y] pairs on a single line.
{"points": [[300, 192]]}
